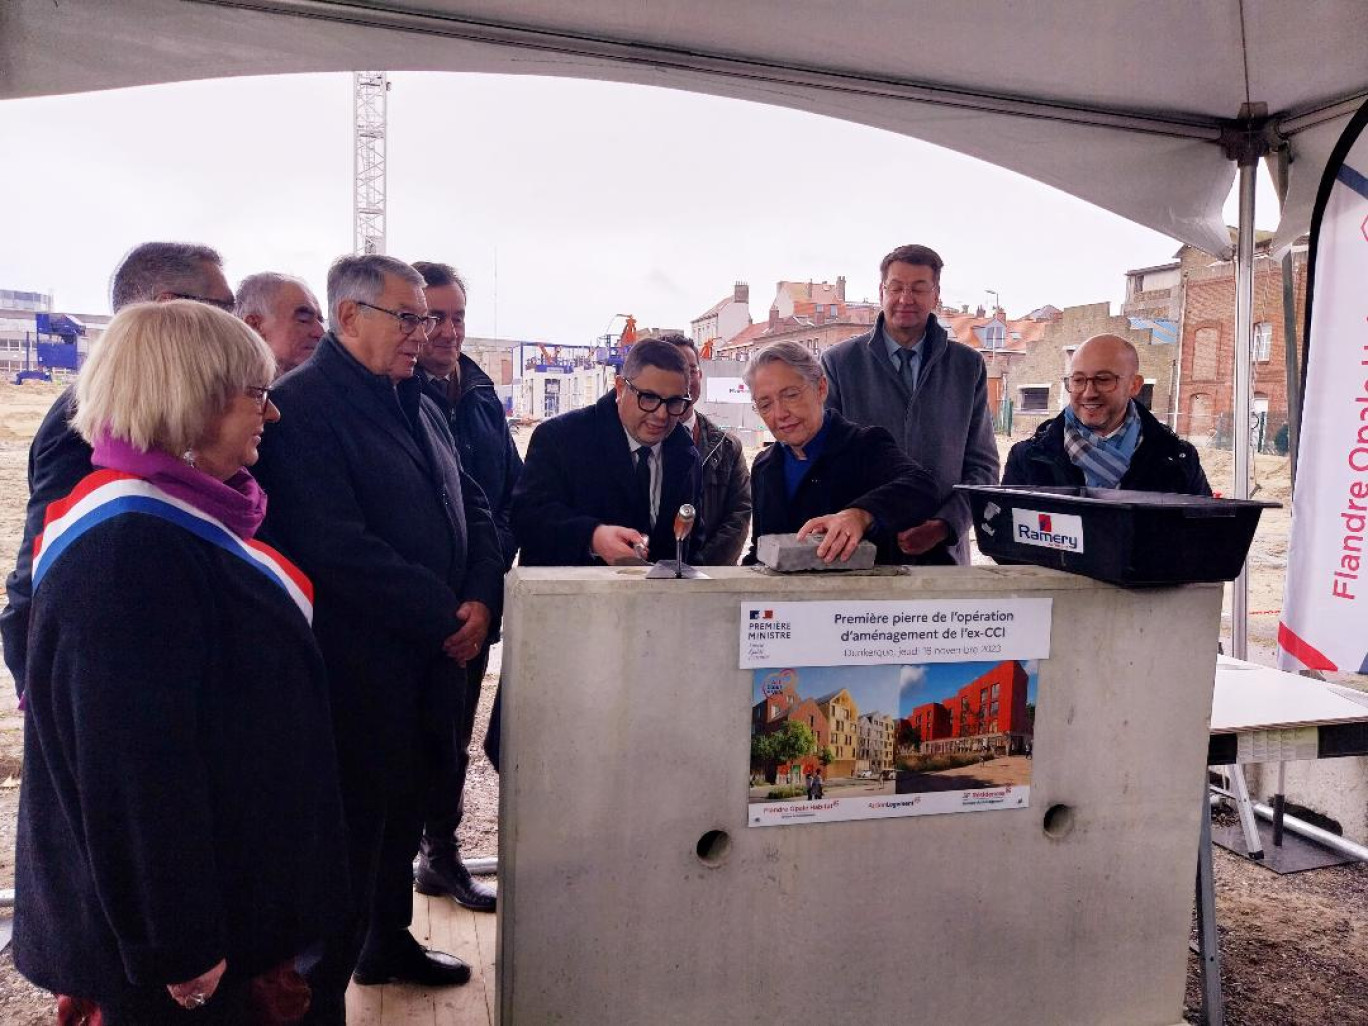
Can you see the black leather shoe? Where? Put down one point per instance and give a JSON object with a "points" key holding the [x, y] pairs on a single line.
{"points": [[446, 874], [410, 962]]}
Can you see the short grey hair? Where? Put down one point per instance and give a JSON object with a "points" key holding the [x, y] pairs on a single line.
{"points": [[257, 293], [163, 372], [791, 354], [156, 267], [362, 279]]}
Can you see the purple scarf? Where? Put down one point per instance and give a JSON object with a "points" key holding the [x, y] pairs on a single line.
{"points": [[238, 502]]}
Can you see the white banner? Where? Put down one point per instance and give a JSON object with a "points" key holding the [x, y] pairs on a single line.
{"points": [[726, 390], [1325, 605], [879, 633]]}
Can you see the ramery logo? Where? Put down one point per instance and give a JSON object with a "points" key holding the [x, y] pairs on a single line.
{"points": [[1062, 531]]}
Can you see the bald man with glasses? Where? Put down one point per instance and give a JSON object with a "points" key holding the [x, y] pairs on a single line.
{"points": [[1105, 438], [602, 485]]}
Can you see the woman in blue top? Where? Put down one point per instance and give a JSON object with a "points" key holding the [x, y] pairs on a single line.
{"points": [[824, 475]]}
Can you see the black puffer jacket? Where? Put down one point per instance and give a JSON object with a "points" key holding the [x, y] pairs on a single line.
{"points": [[1163, 462]]}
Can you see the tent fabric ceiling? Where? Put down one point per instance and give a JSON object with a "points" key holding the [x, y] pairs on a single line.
{"points": [[1118, 103]]}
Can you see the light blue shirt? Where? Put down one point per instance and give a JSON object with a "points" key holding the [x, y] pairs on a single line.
{"points": [[914, 363]]}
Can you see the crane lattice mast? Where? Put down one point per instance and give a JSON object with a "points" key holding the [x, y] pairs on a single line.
{"points": [[370, 91]]}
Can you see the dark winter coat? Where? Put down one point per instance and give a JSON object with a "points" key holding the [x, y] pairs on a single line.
{"points": [[477, 421], [58, 459], [580, 474], [368, 496], [858, 466], [945, 425], [726, 498], [180, 802], [1162, 462]]}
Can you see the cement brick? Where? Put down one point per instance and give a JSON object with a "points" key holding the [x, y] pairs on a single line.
{"points": [[786, 554], [627, 725]]}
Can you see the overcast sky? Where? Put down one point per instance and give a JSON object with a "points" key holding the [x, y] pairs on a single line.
{"points": [[564, 202]]}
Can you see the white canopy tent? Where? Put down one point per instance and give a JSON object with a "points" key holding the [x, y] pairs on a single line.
{"points": [[1136, 107], [1145, 109]]}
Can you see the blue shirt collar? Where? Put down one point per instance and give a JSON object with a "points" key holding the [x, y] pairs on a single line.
{"points": [[892, 347]]}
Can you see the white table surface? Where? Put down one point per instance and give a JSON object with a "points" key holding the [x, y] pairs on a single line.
{"points": [[1251, 697]]}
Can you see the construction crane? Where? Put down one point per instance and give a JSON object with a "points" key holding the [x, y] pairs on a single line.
{"points": [[370, 92]]}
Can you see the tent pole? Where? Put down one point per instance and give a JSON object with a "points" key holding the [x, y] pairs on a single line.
{"points": [[1277, 163], [1244, 349]]}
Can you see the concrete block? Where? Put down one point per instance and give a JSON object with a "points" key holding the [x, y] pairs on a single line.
{"points": [[631, 889], [786, 554]]}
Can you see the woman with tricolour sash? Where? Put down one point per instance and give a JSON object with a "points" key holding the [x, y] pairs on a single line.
{"points": [[179, 823]]}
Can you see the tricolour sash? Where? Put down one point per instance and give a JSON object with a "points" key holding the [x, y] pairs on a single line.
{"points": [[110, 493]]}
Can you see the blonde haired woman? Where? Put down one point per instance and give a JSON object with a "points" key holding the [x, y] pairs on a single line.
{"points": [[179, 819]]}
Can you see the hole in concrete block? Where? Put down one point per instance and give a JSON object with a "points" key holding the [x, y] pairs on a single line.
{"points": [[712, 847], [1059, 820]]}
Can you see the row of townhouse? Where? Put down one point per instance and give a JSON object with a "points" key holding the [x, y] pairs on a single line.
{"points": [[857, 743]]}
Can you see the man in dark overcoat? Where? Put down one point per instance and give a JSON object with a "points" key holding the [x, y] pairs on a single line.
{"points": [[470, 403], [367, 494], [603, 484]]}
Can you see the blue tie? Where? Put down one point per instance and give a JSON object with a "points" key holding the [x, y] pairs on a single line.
{"points": [[909, 376]]}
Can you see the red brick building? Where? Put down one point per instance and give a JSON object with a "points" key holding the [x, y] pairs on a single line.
{"points": [[931, 721], [1206, 400], [990, 711], [785, 706], [1199, 291]]}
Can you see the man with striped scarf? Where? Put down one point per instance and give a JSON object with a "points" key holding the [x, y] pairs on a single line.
{"points": [[1104, 438]]}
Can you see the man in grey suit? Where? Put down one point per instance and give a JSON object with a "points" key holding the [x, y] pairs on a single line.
{"points": [[930, 393]]}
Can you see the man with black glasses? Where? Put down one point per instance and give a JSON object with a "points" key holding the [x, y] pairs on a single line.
{"points": [[603, 484], [1104, 438], [370, 500], [59, 458]]}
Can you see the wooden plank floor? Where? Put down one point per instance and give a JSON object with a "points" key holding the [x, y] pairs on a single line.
{"points": [[442, 924]]}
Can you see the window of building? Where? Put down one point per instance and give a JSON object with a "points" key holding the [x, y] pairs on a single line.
{"points": [[994, 336], [1146, 395], [995, 690], [1035, 398], [1263, 341]]}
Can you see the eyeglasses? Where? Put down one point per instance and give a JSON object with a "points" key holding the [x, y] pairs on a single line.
{"points": [[1104, 382], [261, 394], [222, 304], [649, 402], [786, 398], [410, 322], [920, 289]]}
